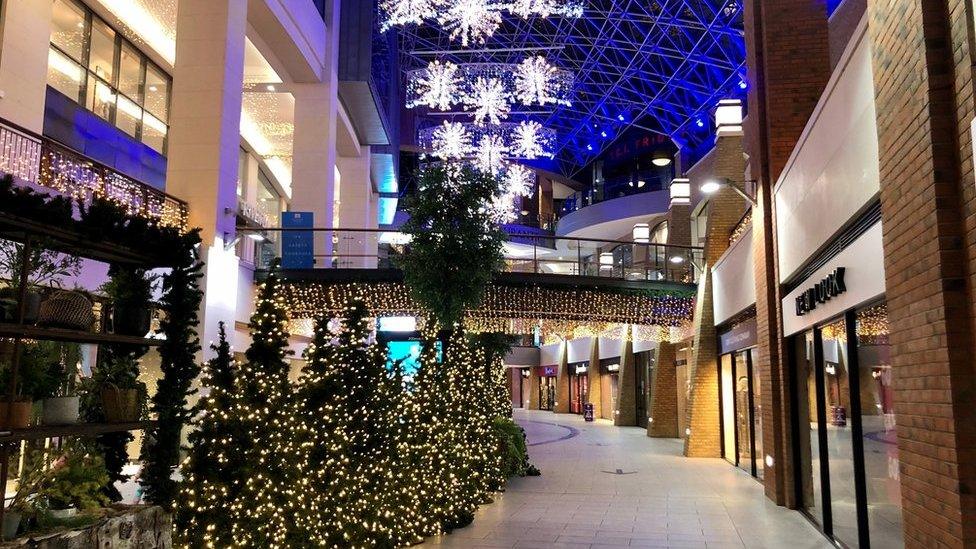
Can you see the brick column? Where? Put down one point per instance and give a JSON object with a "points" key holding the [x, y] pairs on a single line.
{"points": [[626, 388], [595, 394], [781, 99], [724, 210], [562, 382], [923, 81], [533, 382], [663, 420]]}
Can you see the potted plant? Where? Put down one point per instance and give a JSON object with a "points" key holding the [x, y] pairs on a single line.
{"points": [[46, 269], [73, 482], [117, 385], [61, 403], [130, 290], [34, 379]]}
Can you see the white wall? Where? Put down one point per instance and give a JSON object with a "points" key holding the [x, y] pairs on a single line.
{"points": [[833, 171], [24, 40], [610, 348], [864, 277], [733, 280], [551, 354], [578, 350]]}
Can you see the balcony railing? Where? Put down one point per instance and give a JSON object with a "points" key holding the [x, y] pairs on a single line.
{"points": [[523, 253], [36, 160]]}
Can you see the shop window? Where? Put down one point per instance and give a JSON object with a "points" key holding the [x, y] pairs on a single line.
{"points": [[808, 427], [91, 63], [878, 427], [840, 437]]}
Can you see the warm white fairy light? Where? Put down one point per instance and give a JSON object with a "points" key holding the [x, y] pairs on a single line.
{"points": [[528, 140], [490, 101], [451, 140], [518, 180], [537, 82], [490, 154], [436, 87]]}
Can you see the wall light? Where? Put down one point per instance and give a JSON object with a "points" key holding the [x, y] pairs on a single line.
{"points": [[680, 191], [606, 260], [769, 460], [642, 233], [728, 115], [677, 259], [661, 158]]}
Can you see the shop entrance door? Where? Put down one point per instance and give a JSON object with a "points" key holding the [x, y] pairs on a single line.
{"points": [[741, 412], [547, 393], [579, 390]]}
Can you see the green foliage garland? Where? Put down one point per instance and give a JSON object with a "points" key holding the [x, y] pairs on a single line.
{"points": [[180, 302], [456, 243]]}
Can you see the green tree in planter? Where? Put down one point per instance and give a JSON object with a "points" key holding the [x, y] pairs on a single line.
{"points": [[494, 347], [456, 242], [214, 468]]}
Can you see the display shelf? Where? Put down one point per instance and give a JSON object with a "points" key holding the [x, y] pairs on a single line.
{"points": [[17, 228], [74, 336], [77, 430]]}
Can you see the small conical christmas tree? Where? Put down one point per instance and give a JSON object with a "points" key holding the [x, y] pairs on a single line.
{"points": [[212, 470]]}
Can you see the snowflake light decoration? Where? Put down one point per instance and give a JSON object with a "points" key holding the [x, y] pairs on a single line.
{"points": [[528, 141], [437, 88], [528, 8], [535, 82], [471, 21], [489, 154], [518, 180], [397, 13], [489, 99], [451, 140], [502, 208]]}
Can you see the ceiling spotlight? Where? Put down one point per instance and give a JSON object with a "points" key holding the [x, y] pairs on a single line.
{"points": [[661, 158], [525, 212], [676, 259], [641, 183], [270, 87], [711, 186]]}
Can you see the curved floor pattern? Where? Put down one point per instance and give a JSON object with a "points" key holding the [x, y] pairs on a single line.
{"points": [[604, 486]]}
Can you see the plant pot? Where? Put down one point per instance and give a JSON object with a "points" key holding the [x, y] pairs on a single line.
{"points": [[71, 310], [11, 523], [62, 514], [15, 415], [131, 320], [120, 405], [60, 410]]}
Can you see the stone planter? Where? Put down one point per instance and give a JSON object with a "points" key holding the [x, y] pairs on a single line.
{"points": [[60, 410], [61, 514], [122, 527], [11, 523]]}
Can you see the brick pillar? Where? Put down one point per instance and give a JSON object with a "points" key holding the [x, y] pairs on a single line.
{"points": [[626, 387], [724, 210], [562, 382], [594, 396], [533, 382], [780, 100], [923, 81], [663, 421]]}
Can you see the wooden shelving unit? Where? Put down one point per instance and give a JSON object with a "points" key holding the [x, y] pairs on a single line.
{"points": [[73, 336], [76, 430]]}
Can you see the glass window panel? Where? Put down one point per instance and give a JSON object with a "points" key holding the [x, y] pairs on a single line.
{"points": [[879, 428], [64, 75], [101, 98], [101, 59], [268, 200], [153, 132], [743, 420], [68, 28], [843, 500], [157, 93], [130, 73], [757, 414], [128, 117], [808, 426], [728, 409]]}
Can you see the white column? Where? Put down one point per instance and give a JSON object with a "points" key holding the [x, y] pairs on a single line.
{"points": [[357, 211], [204, 141], [24, 43]]}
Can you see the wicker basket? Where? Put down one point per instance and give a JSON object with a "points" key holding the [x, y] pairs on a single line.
{"points": [[65, 309]]}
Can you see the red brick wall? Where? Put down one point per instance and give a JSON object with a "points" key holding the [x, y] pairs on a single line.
{"points": [[664, 404], [924, 98], [780, 36]]}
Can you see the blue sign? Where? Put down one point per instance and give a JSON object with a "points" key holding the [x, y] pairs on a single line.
{"points": [[297, 247]]}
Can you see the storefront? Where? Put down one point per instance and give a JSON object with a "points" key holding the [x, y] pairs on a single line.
{"points": [[740, 397], [547, 386], [844, 421], [644, 371], [609, 385], [579, 386]]}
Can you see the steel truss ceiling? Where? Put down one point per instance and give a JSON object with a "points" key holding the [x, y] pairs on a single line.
{"points": [[658, 65]]}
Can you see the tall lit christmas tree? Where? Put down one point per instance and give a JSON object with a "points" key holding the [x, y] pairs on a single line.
{"points": [[212, 471]]}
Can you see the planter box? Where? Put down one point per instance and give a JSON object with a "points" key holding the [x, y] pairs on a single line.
{"points": [[124, 527]]}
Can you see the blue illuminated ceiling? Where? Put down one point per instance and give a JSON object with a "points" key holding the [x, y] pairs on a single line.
{"points": [[656, 65]]}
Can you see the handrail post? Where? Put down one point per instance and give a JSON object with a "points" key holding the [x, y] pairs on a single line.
{"points": [[535, 256]]}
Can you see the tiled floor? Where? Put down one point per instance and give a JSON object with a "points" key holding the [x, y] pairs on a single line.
{"points": [[660, 500]]}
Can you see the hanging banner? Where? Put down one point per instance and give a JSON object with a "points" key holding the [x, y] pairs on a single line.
{"points": [[297, 247]]}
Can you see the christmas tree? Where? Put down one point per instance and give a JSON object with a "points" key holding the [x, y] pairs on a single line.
{"points": [[213, 467]]}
